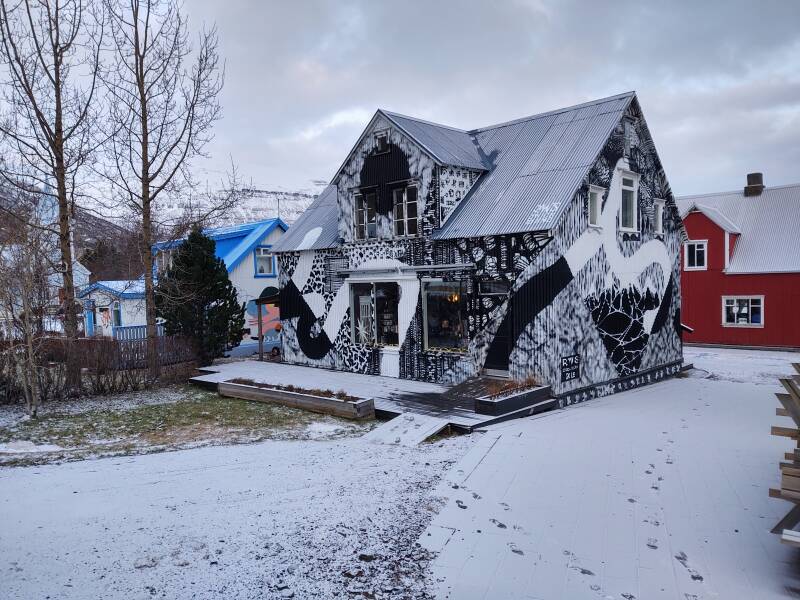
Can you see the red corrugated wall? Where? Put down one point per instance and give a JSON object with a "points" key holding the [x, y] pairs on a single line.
{"points": [[702, 291]]}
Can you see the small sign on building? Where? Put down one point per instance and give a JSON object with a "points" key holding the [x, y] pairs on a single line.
{"points": [[570, 368]]}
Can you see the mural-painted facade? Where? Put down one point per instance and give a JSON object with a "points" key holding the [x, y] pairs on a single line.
{"points": [[585, 308]]}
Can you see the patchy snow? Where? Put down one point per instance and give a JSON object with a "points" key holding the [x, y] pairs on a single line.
{"points": [[740, 365], [302, 519], [658, 492], [13, 414], [26, 447]]}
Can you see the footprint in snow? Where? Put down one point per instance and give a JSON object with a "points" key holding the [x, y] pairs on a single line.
{"points": [[498, 523], [515, 550], [684, 560], [652, 543], [460, 504], [581, 570]]}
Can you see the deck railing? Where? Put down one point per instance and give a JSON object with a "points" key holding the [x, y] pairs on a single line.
{"points": [[135, 332]]}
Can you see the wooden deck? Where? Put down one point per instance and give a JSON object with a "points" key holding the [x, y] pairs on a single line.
{"points": [[392, 396]]}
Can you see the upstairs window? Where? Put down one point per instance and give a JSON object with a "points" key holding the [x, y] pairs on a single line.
{"points": [[695, 255], [381, 142], [405, 211], [658, 217], [743, 311], [265, 262], [628, 217], [595, 205], [366, 225]]}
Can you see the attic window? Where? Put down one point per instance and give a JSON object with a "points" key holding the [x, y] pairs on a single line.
{"points": [[381, 142]]}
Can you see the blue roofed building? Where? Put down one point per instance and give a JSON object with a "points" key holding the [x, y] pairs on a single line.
{"points": [[247, 253]]}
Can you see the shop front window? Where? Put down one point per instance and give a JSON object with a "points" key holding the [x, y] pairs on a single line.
{"points": [[374, 307], [445, 312]]}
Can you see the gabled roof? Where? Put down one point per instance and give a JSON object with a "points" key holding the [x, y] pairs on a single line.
{"points": [[712, 213], [235, 242], [131, 289], [531, 167], [316, 228], [447, 145], [768, 225]]}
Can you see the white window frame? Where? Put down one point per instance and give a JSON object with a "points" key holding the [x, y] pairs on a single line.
{"points": [[750, 298], [261, 252], [686, 266], [658, 217], [598, 192], [404, 192], [382, 134], [361, 204], [116, 311], [635, 190]]}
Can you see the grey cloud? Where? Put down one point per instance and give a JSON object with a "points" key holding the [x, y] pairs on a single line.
{"points": [[719, 81]]}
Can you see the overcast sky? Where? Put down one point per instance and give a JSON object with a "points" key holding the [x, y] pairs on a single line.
{"points": [[719, 82]]}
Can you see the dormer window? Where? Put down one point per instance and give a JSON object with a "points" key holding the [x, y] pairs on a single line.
{"points": [[381, 142], [628, 220], [366, 224], [405, 211]]}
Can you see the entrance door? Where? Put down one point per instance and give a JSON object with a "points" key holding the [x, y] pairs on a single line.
{"points": [[500, 348]]}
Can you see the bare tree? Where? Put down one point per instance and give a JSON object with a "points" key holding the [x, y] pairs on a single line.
{"points": [[161, 112], [50, 50], [26, 273]]}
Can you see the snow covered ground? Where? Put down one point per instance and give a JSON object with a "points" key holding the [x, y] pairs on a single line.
{"points": [[659, 492], [269, 520]]}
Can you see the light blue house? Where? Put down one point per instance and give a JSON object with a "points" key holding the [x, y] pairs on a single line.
{"points": [[246, 251]]}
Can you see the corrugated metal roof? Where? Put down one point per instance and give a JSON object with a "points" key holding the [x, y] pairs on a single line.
{"points": [[532, 169], [317, 227], [536, 166], [448, 145], [769, 226]]}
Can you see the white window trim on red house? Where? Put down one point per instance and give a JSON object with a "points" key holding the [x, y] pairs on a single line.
{"points": [[686, 266], [745, 325]]}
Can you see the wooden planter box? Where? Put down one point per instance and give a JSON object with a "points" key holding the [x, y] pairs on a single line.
{"points": [[500, 404], [363, 408]]}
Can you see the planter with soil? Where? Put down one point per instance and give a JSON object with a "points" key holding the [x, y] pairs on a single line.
{"points": [[515, 396], [338, 404]]}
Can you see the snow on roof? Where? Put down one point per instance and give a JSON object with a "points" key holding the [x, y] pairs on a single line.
{"points": [[234, 242], [768, 224], [121, 288]]}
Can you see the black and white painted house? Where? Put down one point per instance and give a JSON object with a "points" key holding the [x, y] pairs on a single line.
{"points": [[545, 247]]}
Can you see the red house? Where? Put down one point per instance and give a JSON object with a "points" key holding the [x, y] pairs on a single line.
{"points": [[741, 266]]}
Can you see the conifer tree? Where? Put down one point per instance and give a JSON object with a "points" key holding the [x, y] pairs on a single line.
{"points": [[197, 300]]}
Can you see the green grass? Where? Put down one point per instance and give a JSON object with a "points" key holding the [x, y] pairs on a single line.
{"points": [[197, 418]]}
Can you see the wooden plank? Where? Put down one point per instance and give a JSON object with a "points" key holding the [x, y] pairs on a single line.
{"points": [[782, 412], [796, 367], [791, 456], [785, 495], [790, 483], [791, 405], [790, 432], [791, 538], [788, 522], [791, 470]]}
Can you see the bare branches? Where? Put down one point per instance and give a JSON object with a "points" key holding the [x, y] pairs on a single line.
{"points": [[50, 51]]}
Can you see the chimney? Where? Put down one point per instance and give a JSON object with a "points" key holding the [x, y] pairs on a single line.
{"points": [[755, 184]]}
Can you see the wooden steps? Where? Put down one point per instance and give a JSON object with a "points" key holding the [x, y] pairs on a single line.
{"points": [[790, 466]]}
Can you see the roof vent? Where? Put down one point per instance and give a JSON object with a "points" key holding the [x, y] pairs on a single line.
{"points": [[755, 184]]}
